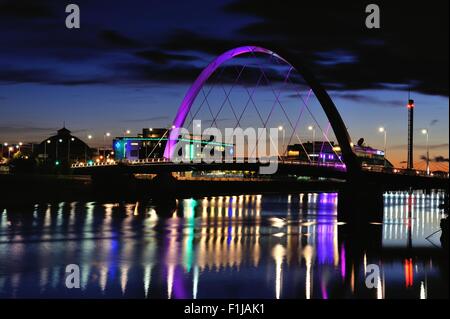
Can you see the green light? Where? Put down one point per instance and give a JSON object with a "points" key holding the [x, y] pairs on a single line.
{"points": [[180, 139], [56, 163], [191, 152]]}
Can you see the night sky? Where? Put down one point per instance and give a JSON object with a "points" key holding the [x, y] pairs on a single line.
{"points": [[131, 62]]}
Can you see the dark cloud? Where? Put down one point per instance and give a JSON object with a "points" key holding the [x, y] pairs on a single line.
{"points": [[11, 76], [440, 159], [410, 47], [24, 9], [187, 73], [20, 129], [161, 57], [436, 159], [184, 40], [116, 39], [361, 98], [48, 76], [434, 122], [431, 147]]}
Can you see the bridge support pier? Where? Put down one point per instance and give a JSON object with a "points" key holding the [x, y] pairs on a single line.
{"points": [[360, 204]]}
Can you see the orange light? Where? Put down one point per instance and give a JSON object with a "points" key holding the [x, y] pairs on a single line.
{"points": [[409, 276]]}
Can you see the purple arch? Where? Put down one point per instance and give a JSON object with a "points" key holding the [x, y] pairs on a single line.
{"points": [[330, 109], [196, 87]]}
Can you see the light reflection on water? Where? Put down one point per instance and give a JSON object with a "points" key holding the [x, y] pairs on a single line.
{"points": [[248, 246]]}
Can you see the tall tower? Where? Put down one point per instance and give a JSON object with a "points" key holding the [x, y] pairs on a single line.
{"points": [[410, 133]]}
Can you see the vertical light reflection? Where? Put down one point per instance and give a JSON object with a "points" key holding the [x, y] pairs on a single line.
{"points": [[343, 261], [43, 279], [188, 233], [423, 291], [352, 279], [123, 278], [103, 277], [278, 253], [380, 287], [170, 273], [195, 283], [147, 279], [171, 260], [308, 253], [59, 214]]}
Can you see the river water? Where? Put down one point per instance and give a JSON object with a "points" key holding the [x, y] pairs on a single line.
{"points": [[248, 246]]}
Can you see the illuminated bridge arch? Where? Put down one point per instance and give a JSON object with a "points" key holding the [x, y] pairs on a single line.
{"points": [[336, 122]]}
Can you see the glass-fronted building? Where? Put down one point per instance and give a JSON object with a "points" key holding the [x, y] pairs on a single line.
{"points": [[152, 142], [331, 153]]}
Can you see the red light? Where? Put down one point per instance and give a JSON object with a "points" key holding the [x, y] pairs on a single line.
{"points": [[410, 106], [409, 276]]}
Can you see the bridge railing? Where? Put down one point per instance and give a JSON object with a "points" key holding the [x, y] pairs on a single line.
{"points": [[127, 162], [337, 166], [405, 171]]}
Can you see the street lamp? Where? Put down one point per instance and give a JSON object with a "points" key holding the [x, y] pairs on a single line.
{"points": [[56, 149], [68, 149], [107, 134], [281, 129], [127, 132], [10, 149], [383, 130], [425, 132], [45, 149], [85, 148], [313, 129]]}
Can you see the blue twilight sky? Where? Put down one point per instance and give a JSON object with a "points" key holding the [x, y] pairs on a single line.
{"points": [[131, 62]]}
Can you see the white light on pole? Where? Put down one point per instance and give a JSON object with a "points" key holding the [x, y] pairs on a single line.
{"points": [[281, 129], [313, 129], [425, 132], [383, 130]]}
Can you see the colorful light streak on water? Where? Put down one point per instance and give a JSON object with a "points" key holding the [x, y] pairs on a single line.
{"points": [[218, 247]]}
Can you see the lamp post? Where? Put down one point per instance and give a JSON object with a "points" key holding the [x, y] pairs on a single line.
{"points": [[68, 149], [425, 132], [281, 129], [45, 150], [85, 148], [383, 130], [107, 134], [56, 149], [313, 129], [9, 151]]}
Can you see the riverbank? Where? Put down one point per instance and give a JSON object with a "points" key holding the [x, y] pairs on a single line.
{"points": [[46, 188]]}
